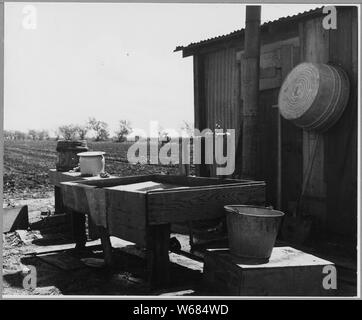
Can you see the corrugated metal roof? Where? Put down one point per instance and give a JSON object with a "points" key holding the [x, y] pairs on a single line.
{"points": [[239, 32]]}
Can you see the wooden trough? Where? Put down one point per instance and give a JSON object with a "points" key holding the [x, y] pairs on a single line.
{"points": [[141, 209]]}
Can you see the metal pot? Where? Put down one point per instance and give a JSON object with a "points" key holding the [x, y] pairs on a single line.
{"points": [[91, 162]]}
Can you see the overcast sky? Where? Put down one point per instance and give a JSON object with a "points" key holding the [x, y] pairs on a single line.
{"points": [[109, 61]]}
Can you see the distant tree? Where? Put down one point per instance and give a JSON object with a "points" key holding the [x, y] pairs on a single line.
{"points": [[100, 128], [16, 135], [82, 131], [123, 131], [68, 132], [33, 134], [43, 135], [57, 134], [19, 135], [8, 135]]}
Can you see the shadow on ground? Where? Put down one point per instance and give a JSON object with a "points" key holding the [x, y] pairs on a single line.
{"points": [[65, 272]]}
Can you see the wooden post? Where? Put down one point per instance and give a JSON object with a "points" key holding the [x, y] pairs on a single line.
{"points": [[78, 228], [250, 92], [200, 109], [107, 246], [58, 200], [184, 168], [158, 263]]}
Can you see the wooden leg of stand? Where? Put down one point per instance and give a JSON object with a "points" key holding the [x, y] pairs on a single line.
{"points": [[78, 228], [158, 263], [107, 246]]}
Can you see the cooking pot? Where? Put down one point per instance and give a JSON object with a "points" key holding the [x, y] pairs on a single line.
{"points": [[91, 162]]}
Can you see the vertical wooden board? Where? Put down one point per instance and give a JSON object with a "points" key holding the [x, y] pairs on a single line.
{"points": [[268, 159], [200, 85], [126, 215], [313, 161], [126, 208], [158, 263], [74, 197], [197, 91], [314, 48], [239, 147], [291, 141], [235, 99], [220, 92], [341, 151]]}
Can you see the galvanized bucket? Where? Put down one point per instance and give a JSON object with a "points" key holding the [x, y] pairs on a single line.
{"points": [[252, 231]]}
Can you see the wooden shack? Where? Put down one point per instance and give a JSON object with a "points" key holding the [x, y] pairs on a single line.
{"points": [[290, 159]]}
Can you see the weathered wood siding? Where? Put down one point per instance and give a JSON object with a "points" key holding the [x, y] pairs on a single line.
{"points": [[323, 165], [340, 154], [220, 89], [314, 41], [216, 102]]}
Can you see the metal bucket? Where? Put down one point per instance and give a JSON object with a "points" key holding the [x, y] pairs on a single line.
{"points": [[252, 231]]}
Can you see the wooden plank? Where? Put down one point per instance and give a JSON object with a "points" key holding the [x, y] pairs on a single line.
{"points": [[268, 72], [74, 196], [270, 83], [200, 112], [57, 177], [58, 201], [62, 247], [15, 218], [316, 49], [115, 181], [97, 205], [291, 144], [268, 143], [158, 262], [75, 193], [181, 206], [126, 208], [199, 181], [197, 90]]}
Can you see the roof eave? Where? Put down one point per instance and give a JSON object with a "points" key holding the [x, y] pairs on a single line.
{"points": [[192, 48]]}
